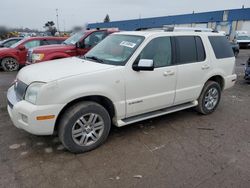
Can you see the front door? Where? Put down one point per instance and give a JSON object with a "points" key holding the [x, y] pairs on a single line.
{"points": [[152, 90]]}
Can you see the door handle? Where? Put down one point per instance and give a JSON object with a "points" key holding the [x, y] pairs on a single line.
{"points": [[169, 73], [204, 67]]}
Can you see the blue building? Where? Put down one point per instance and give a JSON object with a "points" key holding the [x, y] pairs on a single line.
{"points": [[224, 20]]}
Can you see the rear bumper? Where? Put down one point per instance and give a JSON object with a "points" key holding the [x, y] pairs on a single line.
{"points": [[230, 81], [24, 115]]}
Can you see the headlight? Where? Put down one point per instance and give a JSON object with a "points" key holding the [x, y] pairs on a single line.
{"points": [[32, 92], [37, 57]]}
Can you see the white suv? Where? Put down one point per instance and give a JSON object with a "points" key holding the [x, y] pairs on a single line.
{"points": [[128, 77]]}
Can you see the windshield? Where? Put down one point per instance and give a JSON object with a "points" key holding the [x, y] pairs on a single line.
{"points": [[115, 49], [243, 37], [17, 44], [74, 38]]}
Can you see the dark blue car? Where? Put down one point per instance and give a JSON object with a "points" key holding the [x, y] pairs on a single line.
{"points": [[247, 70]]}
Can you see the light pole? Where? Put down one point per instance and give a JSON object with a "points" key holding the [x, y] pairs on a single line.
{"points": [[57, 20]]}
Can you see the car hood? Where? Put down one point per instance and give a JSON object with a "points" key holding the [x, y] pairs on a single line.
{"points": [[55, 47], [59, 69]]}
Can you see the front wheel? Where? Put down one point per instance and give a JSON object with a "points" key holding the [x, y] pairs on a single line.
{"points": [[209, 98], [84, 127], [10, 64]]}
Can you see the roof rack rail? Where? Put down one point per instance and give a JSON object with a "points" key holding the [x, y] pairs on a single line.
{"points": [[194, 29]]}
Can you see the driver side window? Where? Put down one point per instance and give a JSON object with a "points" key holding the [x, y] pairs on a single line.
{"points": [[159, 50], [94, 38], [32, 44]]}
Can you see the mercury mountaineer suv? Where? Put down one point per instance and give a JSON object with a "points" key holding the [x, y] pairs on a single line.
{"points": [[126, 78]]}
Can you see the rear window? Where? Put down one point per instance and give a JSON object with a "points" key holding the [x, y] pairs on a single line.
{"points": [[221, 47]]}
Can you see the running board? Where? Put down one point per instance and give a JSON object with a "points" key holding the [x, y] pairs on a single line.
{"points": [[156, 113]]}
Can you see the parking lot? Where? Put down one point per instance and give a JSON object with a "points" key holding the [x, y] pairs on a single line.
{"points": [[183, 149]]}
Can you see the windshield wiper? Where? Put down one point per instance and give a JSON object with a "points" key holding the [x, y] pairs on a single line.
{"points": [[94, 58]]}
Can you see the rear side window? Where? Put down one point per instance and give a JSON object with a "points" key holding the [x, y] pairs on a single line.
{"points": [[221, 47], [189, 49], [201, 55]]}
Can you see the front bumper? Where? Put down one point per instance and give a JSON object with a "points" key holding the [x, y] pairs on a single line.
{"points": [[24, 115]]}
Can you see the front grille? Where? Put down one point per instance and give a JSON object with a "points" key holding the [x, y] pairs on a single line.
{"points": [[20, 89]]}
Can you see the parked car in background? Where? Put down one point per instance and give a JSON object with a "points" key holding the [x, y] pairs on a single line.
{"points": [[78, 44], [127, 78], [15, 56], [243, 40], [247, 70], [236, 48], [9, 42]]}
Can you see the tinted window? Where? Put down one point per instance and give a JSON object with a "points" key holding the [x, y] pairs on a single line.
{"points": [[221, 47], [185, 49], [159, 50], [201, 55]]}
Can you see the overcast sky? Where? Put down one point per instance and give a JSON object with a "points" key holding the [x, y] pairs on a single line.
{"points": [[34, 13]]}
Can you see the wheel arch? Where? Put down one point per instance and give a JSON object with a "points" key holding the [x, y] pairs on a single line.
{"points": [[102, 100], [219, 79]]}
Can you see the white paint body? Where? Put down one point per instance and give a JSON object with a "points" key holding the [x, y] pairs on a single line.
{"points": [[72, 78]]}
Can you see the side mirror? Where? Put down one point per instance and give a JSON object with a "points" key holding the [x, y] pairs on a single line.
{"points": [[21, 48], [1, 45], [80, 44], [144, 65]]}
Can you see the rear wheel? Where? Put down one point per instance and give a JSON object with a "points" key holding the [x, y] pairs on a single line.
{"points": [[84, 127], [10, 64], [209, 98]]}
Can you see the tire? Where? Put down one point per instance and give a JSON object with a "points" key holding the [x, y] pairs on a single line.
{"points": [[209, 98], [84, 127], [9, 64]]}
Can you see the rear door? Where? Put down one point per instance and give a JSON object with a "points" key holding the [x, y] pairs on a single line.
{"points": [[193, 66]]}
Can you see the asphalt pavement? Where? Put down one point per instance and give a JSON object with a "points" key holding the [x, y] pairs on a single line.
{"points": [[182, 149]]}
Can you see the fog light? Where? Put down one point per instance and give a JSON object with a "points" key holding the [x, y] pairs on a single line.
{"points": [[24, 118]]}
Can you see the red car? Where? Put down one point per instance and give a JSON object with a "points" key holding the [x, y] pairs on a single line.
{"points": [[77, 45], [15, 56]]}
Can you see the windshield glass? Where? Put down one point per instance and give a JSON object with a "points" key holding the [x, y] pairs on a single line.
{"points": [[17, 44], [115, 49], [74, 38], [243, 37]]}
